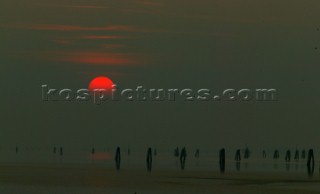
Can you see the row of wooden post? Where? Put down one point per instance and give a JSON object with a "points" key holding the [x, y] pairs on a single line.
{"points": [[222, 158]]}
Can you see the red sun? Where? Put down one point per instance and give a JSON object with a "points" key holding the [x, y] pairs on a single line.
{"points": [[101, 83]]}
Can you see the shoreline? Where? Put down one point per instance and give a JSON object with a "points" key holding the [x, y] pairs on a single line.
{"points": [[99, 177]]}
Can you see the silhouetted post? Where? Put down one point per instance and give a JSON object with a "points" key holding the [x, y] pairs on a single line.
{"points": [[303, 154], [276, 154], [149, 159], [222, 160], [93, 151], [197, 154], [118, 158], [176, 152], [238, 156], [183, 156], [296, 155], [129, 152], [264, 154], [61, 151], [288, 156], [310, 163], [54, 149], [246, 153], [17, 149]]}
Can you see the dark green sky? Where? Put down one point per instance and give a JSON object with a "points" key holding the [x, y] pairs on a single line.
{"points": [[213, 44]]}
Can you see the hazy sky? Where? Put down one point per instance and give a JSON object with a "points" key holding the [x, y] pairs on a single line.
{"points": [[213, 44]]}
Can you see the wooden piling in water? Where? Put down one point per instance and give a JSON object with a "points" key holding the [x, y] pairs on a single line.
{"points": [[183, 156], [246, 153], [276, 154], [61, 151], [238, 155], [310, 163], [264, 154], [222, 160], [118, 158], [149, 159], [296, 155], [288, 156]]}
